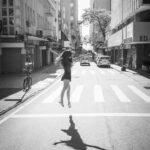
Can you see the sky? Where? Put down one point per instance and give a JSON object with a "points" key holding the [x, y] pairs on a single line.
{"points": [[82, 4]]}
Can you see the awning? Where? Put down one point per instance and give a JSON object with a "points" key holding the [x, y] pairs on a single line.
{"points": [[51, 50], [11, 45], [142, 42], [142, 8], [34, 38]]}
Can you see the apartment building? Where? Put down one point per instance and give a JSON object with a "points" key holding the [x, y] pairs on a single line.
{"points": [[26, 26], [130, 34], [95, 35], [98, 4], [69, 21]]}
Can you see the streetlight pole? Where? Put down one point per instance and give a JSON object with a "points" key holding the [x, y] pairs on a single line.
{"points": [[123, 68]]}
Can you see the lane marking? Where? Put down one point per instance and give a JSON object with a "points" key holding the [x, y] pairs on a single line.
{"points": [[74, 72], [138, 92], [101, 71], [92, 72], [49, 80], [53, 96], [82, 115], [98, 94], [122, 97], [77, 93], [28, 103], [83, 72], [111, 72]]}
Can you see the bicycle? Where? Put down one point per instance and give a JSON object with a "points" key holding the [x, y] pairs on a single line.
{"points": [[27, 82]]}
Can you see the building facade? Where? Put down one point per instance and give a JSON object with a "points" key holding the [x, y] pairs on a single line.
{"points": [[129, 39], [26, 25], [95, 35], [69, 22], [98, 4]]}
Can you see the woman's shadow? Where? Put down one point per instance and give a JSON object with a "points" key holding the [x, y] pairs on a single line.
{"points": [[76, 141]]}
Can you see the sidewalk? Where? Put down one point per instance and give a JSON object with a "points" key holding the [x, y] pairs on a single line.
{"points": [[11, 93], [136, 76]]}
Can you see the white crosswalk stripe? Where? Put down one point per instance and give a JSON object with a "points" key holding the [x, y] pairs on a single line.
{"points": [[101, 72], [92, 72], [138, 92], [119, 93], [75, 97], [53, 96], [98, 94], [74, 72], [111, 72], [83, 72]]}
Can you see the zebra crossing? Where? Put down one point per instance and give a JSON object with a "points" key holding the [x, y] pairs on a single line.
{"points": [[99, 94], [94, 71]]}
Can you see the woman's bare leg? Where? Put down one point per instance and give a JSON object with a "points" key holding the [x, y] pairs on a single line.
{"points": [[62, 92], [68, 93]]}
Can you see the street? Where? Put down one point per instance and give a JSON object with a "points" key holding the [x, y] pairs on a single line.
{"points": [[109, 111]]}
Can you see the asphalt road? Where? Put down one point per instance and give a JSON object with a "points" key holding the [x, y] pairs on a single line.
{"points": [[110, 111]]}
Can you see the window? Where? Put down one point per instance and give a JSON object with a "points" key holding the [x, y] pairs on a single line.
{"points": [[4, 12], [10, 2], [11, 30], [5, 31], [4, 21], [11, 21], [146, 2], [71, 18], [8, 17], [71, 4], [4, 3], [11, 12]]}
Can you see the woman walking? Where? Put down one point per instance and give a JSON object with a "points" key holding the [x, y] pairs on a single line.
{"points": [[66, 61]]}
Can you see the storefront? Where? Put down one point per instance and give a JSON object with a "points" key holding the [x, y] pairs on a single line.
{"points": [[136, 44], [14, 55]]}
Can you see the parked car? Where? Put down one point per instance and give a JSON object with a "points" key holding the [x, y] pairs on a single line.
{"points": [[84, 61], [103, 61]]}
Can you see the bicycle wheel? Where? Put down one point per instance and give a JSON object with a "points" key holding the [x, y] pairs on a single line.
{"points": [[29, 82], [25, 84]]}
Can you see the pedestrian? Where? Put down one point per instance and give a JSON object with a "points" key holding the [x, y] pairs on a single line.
{"points": [[66, 61]]}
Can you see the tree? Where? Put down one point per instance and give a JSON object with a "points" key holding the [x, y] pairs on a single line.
{"points": [[101, 18]]}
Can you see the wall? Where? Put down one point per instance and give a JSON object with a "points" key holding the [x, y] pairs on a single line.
{"points": [[0, 60], [129, 7], [102, 4], [134, 32], [142, 32]]}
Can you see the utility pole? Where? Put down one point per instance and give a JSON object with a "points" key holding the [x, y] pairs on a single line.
{"points": [[123, 68]]}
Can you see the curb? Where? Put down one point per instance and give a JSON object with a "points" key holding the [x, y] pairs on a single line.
{"points": [[127, 70], [28, 97]]}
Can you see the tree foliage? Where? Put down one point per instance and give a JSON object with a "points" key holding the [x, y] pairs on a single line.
{"points": [[100, 18]]}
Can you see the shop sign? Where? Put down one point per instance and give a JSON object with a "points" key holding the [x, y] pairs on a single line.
{"points": [[143, 38], [128, 40], [127, 46]]}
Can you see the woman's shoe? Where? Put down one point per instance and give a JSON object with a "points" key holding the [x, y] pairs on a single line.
{"points": [[61, 103], [69, 105]]}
